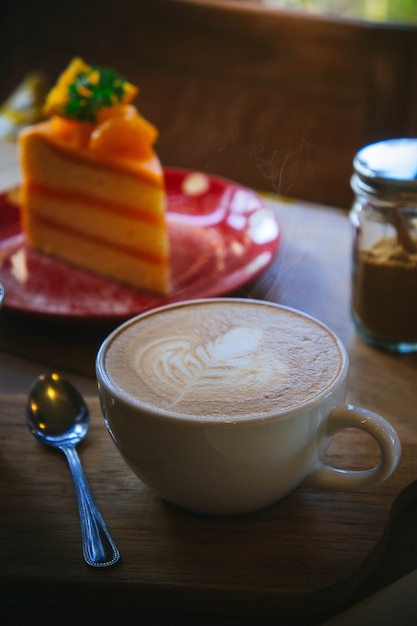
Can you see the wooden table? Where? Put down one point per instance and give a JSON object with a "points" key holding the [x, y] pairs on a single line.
{"points": [[304, 558]]}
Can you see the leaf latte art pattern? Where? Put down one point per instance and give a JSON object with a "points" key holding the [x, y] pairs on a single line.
{"points": [[230, 364]]}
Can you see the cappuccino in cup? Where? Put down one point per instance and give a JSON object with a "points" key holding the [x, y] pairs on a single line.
{"points": [[225, 405], [223, 360]]}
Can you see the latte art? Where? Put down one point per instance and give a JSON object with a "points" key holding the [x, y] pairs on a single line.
{"points": [[203, 371], [222, 359]]}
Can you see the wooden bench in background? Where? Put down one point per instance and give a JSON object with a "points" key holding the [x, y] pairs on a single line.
{"points": [[276, 100]]}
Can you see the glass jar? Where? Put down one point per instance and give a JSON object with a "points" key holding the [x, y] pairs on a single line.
{"points": [[384, 268]]}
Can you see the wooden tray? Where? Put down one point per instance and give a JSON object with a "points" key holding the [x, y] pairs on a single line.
{"points": [[311, 551]]}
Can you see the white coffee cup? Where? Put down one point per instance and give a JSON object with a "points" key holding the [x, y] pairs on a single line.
{"points": [[224, 406]]}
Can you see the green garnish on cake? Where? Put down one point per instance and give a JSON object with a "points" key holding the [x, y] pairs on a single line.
{"points": [[83, 90]]}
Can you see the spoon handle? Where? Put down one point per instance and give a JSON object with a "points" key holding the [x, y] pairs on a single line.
{"points": [[99, 549]]}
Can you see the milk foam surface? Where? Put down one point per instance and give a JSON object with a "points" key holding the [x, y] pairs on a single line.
{"points": [[223, 360]]}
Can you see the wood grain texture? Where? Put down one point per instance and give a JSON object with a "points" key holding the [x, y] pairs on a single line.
{"points": [[273, 99], [311, 546]]}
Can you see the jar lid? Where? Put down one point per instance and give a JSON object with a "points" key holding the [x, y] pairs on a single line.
{"points": [[387, 169]]}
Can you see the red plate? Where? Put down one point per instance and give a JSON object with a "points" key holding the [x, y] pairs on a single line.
{"points": [[222, 235]]}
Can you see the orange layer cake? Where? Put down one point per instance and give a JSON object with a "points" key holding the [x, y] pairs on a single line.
{"points": [[93, 190]]}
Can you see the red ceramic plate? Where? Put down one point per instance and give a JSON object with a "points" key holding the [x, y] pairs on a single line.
{"points": [[222, 235]]}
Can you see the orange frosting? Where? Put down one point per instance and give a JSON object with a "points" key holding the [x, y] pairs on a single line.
{"points": [[121, 139]]}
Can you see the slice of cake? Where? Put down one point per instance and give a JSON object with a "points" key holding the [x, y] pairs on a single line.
{"points": [[93, 189]]}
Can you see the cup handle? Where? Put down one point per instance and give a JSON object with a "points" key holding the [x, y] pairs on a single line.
{"points": [[349, 416]]}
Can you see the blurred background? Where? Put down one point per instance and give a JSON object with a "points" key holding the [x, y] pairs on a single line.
{"points": [[276, 94], [389, 11]]}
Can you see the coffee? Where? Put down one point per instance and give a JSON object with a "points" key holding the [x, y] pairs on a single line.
{"points": [[223, 360], [223, 406]]}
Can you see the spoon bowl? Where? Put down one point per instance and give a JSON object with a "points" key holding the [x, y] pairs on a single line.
{"points": [[58, 416]]}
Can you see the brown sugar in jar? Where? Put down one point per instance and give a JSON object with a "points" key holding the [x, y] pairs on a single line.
{"points": [[384, 218]]}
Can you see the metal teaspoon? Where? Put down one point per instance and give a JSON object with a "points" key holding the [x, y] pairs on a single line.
{"points": [[58, 416]]}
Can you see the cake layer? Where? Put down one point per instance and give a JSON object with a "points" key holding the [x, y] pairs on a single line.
{"points": [[117, 225], [129, 266], [53, 163]]}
